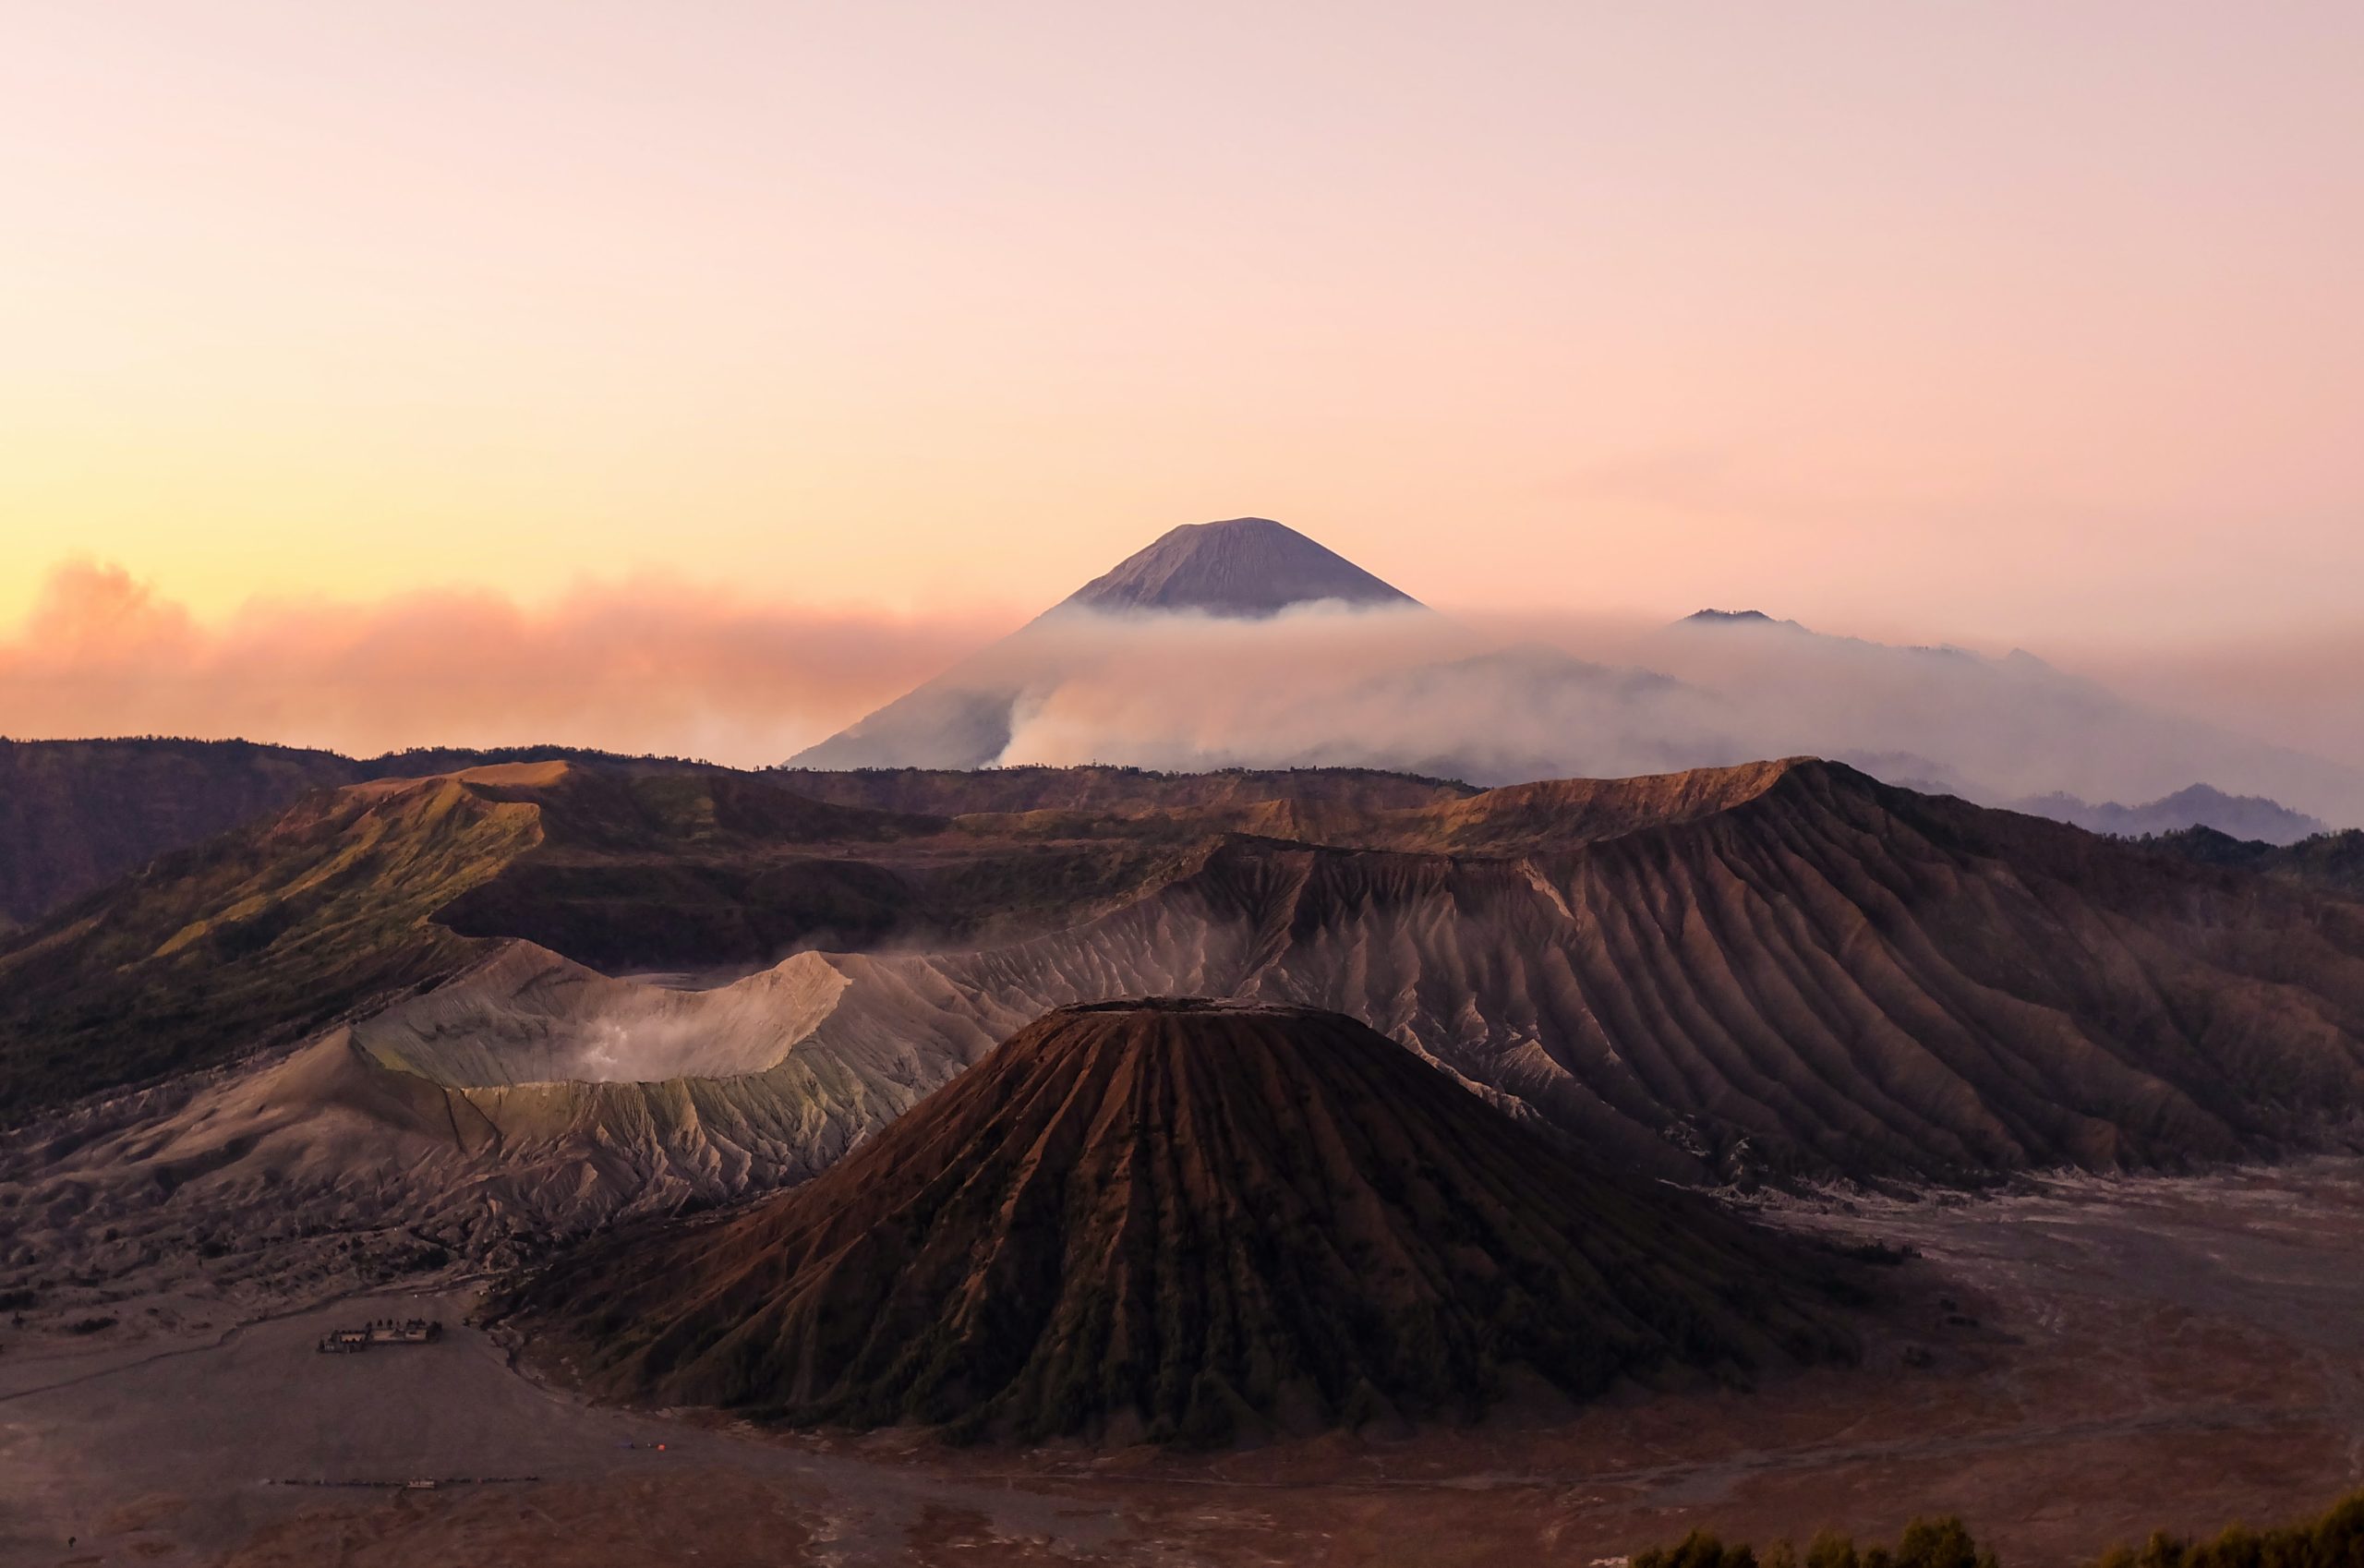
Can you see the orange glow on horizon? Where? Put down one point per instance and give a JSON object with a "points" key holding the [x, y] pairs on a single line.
{"points": [[2002, 322]]}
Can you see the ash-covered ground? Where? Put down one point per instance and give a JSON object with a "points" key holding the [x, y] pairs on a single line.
{"points": [[2071, 1364]]}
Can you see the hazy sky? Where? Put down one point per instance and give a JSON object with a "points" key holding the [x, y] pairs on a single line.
{"points": [[1990, 321]]}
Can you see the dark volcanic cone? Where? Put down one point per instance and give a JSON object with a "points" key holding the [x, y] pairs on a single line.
{"points": [[1183, 1220]]}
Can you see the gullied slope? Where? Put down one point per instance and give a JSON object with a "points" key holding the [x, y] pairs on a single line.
{"points": [[251, 939], [1785, 969], [1184, 1220], [1796, 971]]}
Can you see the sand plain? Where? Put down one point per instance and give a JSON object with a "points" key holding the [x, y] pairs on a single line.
{"points": [[2067, 1364]]}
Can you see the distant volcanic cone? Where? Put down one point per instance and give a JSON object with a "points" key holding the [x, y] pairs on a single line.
{"points": [[1245, 569], [1182, 1221]]}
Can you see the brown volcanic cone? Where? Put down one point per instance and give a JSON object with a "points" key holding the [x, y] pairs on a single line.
{"points": [[1181, 1220]]}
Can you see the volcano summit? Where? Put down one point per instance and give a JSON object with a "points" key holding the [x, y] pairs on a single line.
{"points": [[1184, 1220], [1246, 569]]}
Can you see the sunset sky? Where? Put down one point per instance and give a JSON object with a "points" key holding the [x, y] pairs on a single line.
{"points": [[2007, 323]]}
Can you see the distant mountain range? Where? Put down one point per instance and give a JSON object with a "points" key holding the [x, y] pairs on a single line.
{"points": [[2332, 862], [1244, 643], [1675, 967], [2247, 818]]}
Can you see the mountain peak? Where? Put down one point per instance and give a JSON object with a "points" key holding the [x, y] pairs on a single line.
{"points": [[1242, 568], [1185, 1220], [1732, 618]]}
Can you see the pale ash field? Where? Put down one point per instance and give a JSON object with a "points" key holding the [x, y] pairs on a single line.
{"points": [[2074, 1363]]}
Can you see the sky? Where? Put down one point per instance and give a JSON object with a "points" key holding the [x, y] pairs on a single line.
{"points": [[2005, 323]]}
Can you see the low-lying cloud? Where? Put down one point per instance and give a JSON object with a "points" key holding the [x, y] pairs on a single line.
{"points": [[646, 666], [657, 666], [1499, 702]]}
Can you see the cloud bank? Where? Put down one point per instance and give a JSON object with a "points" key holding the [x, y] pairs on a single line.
{"points": [[657, 666], [647, 666], [1499, 702]]}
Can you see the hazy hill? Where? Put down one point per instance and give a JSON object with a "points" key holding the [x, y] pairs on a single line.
{"points": [[1184, 1220], [75, 814], [2239, 816]]}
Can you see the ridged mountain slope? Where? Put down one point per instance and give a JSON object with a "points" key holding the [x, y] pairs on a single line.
{"points": [[1786, 971], [1184, 1220], [1812, 973]]}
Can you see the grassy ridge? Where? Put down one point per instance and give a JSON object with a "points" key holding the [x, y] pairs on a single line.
{"points": [[249, 940]]}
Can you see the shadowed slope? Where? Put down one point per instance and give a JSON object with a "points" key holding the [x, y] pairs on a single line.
{"points": [[1183, 1220], [1785, 967]]}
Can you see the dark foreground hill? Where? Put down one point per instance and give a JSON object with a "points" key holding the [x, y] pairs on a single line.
{"points": [[1184, 1220]]}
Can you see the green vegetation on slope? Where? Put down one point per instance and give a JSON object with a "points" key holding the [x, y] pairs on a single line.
{"points": [[2332, 1539], [271, 930], [252, 938], [76, 813]]}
